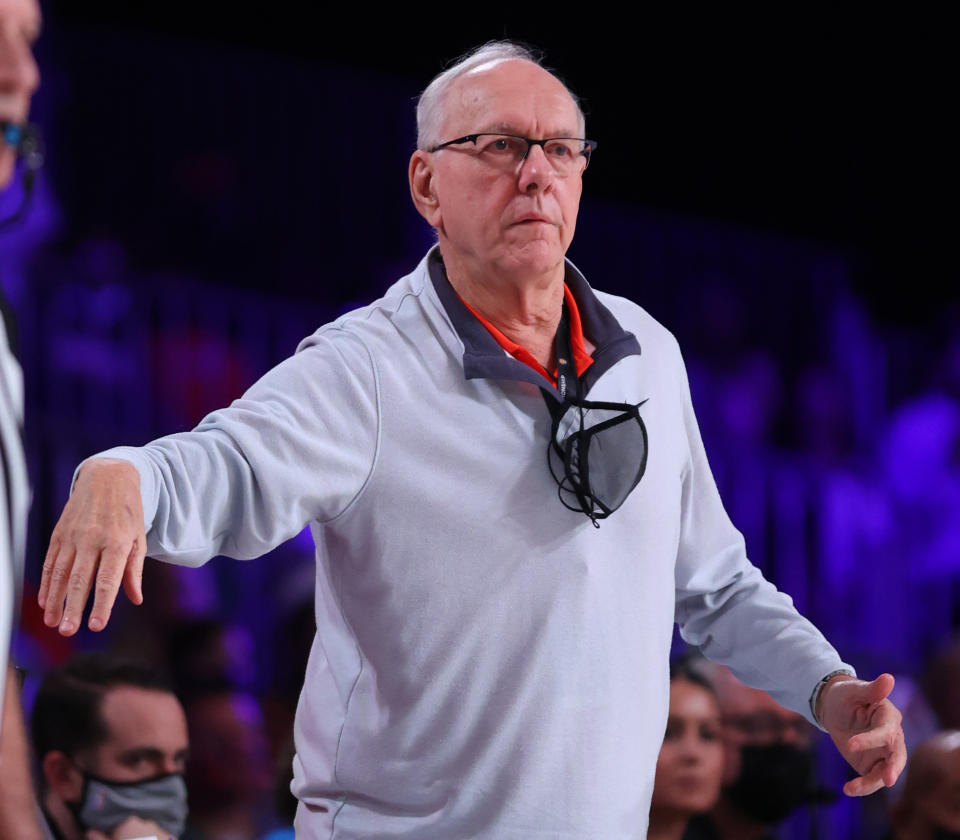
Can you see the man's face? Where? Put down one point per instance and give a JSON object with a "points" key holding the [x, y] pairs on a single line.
{"points": [[751, 718], [147, 736], [505, 222], [19, 77]]}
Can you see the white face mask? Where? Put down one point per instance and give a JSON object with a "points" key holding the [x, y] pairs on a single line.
{"points": [[105, 804]]}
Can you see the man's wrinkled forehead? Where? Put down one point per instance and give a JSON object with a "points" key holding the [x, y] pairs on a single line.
{"points": [[496, 96]]}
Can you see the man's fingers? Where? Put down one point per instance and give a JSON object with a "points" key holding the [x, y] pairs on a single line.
{"points": [[862, 787], [133, 575], [79, 583], [880, 688], [48, 562], [100, 534], [884, 772], [111, 572], [882, 736], [57, 577], [897, 762], [867, 783]]}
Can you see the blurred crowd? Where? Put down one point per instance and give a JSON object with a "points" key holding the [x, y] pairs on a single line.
{"points": [[735, 765], [201, 755]]}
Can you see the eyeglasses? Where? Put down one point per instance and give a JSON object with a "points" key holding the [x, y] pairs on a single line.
{"points": [[597, 455], [507, 151]]}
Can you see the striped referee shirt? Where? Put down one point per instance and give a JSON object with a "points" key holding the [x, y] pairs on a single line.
{"points": [[14, 496]]}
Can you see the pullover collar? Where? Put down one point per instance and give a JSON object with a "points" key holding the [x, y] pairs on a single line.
{"points": [[485, 358]]}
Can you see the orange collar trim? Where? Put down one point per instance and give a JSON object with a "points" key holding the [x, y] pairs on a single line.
{"points": [[581, 358]]}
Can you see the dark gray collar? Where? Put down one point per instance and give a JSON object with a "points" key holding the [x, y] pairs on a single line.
{"points": [[483, 358]]}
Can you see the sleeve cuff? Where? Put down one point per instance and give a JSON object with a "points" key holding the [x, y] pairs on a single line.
{"points": [[134, 456]]}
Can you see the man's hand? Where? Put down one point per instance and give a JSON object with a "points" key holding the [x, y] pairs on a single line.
{"points": [[100, 533], [865, 726], [132, 828]]}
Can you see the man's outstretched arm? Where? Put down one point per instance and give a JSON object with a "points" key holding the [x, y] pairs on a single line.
{"points": [[299, 446], [865, 726]]}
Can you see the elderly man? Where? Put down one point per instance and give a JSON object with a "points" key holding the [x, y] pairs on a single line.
{"points": [[111, 742], [490, 662], [19, 28]]}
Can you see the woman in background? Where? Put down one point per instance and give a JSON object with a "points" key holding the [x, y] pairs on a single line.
{"points": [[691, 759]]}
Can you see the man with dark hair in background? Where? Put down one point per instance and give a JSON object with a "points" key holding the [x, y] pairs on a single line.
{"points": [[111, 742], [19, 77]]}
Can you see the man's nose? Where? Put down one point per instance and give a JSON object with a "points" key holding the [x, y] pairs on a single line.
{"points": [[170, 764], [691, 750], [19, 74], [536, 172]]}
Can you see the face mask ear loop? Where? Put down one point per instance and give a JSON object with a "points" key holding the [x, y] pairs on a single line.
{"points": [[75, 808]]}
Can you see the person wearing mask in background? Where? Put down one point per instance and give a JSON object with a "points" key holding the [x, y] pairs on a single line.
{"points": [[690, 764], [768, 769], [19, 77], [929, 808], [111, 741]]}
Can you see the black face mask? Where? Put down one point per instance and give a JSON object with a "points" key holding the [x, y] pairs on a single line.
{"points": [[774, 780], [597, 452]]}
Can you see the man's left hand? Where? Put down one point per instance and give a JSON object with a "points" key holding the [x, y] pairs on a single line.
{"points": [[865, 726]]}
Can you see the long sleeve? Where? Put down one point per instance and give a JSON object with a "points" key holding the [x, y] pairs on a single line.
{"points": [[298, 446], [724, 605]]}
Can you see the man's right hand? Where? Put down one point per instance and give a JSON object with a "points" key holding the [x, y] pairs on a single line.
{"points": [[100, 533]]}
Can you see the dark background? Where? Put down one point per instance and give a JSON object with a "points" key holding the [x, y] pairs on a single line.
{"points": [[828, 125]]}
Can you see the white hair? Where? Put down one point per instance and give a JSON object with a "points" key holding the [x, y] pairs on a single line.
{"points": [[430, 106]]}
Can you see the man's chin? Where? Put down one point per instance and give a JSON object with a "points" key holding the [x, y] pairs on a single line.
{"points": [[535, 257]]}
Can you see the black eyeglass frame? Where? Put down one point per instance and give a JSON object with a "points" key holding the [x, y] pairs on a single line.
{"points": [[586, 151]]}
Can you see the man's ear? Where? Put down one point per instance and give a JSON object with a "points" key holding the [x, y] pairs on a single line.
{"points": [[62, 776], [423, 188]]}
